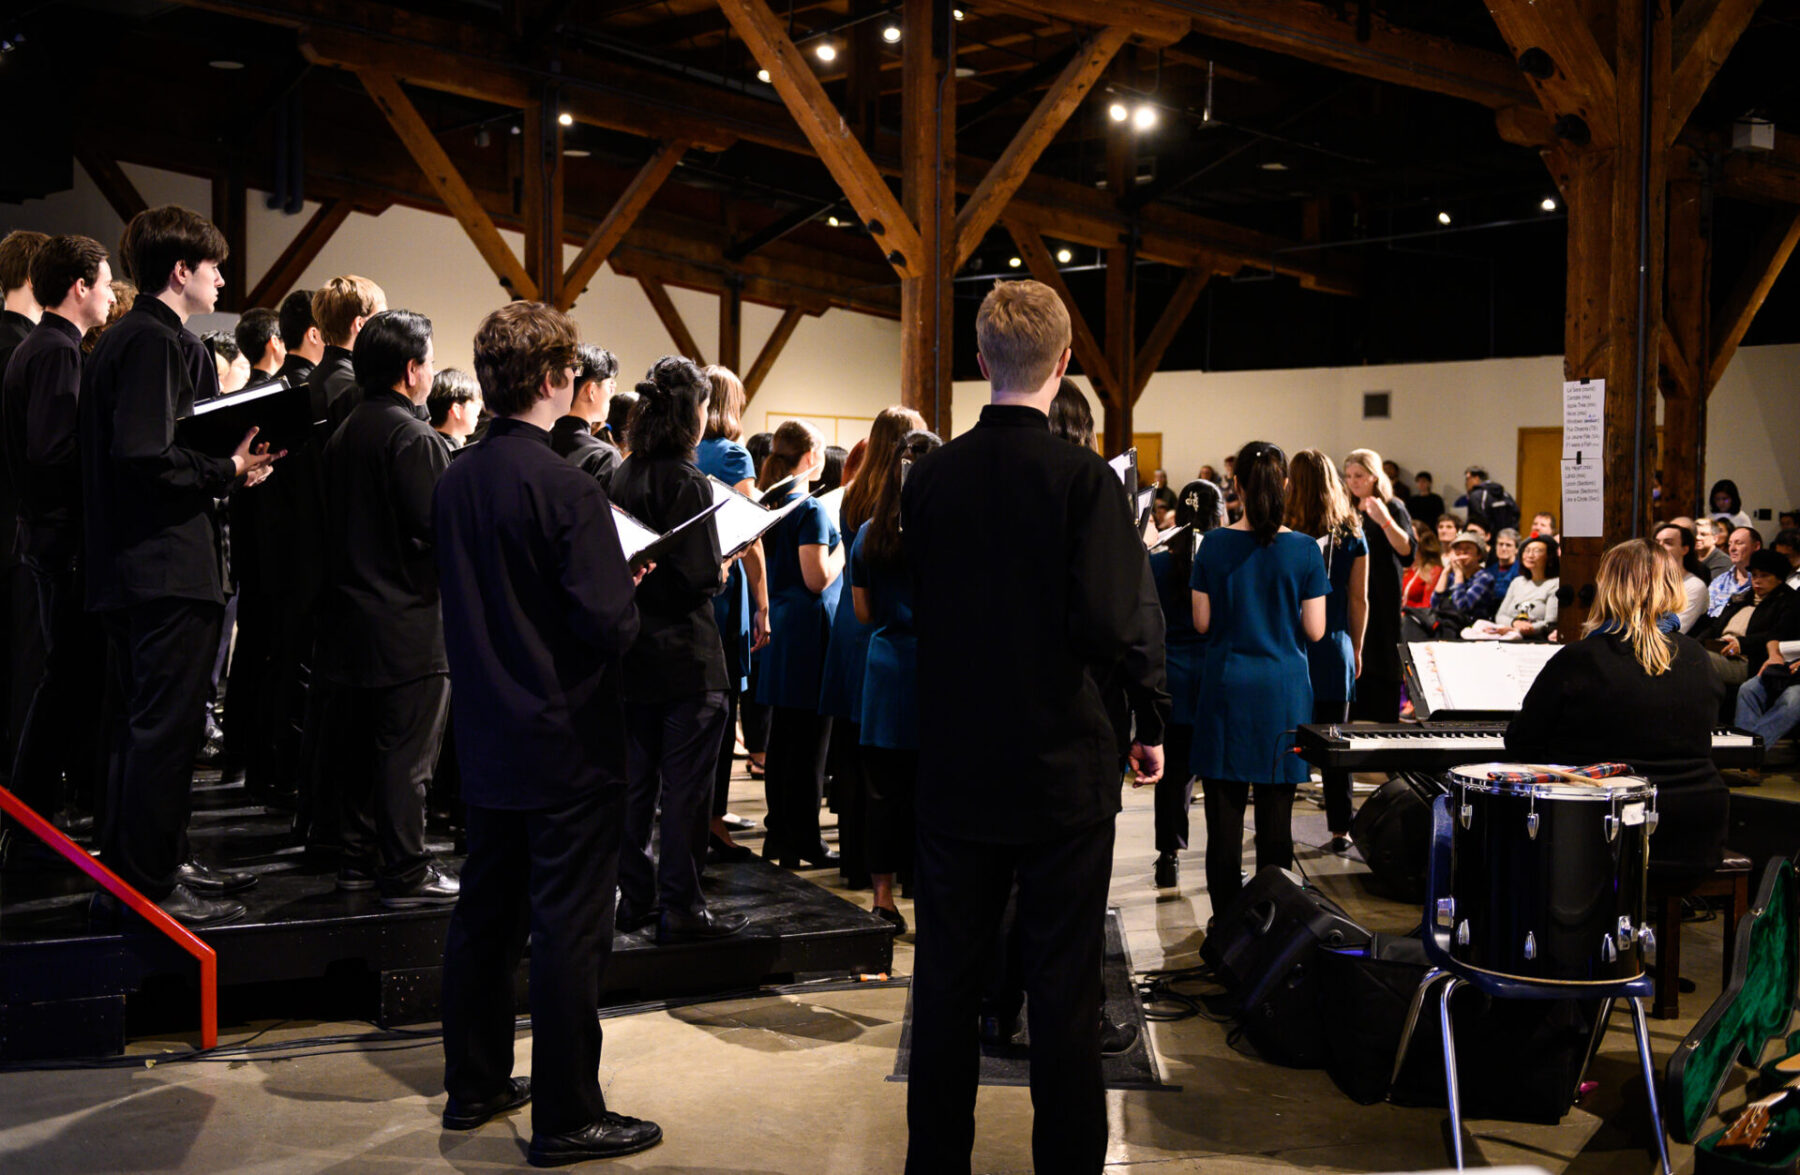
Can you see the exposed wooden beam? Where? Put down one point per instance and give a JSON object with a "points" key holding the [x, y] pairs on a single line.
{"points": [[456, 194], [541, 162], [1061, 100], [1089, 353], [731, 327], [771, 351], [776, 229], [1746, 298], [805, 98], [1705, 31], [231, 215], [671, 319], [1319, 33], [112, 181], [301, 252], [1168, 324], [1150, 22], [928, 138], [1577, 81], [618, 221], [1686, 337], [1767, 177]]}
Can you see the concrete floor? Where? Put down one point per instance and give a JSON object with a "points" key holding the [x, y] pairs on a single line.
{"points": [[797, 1084]]}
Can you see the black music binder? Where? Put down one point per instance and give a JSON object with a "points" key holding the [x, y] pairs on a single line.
{"points": [[642, 545], [281, 414]]}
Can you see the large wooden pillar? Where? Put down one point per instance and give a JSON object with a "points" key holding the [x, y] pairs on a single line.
{"points": [[928, 191], [731, 323], [542, 168], [1686, 344], [1121, 305], [230, 208]]}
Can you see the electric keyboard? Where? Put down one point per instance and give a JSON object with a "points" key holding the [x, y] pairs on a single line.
{"points": [[1437, 746]]}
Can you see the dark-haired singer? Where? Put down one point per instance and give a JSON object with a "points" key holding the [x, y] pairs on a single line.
{"points": [[153, 556], [381, 642], [538, 614]]}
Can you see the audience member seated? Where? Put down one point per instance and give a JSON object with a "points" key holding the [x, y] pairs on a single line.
{"points": [[1505, 561], [1424, 503], [1743, 543], [1787, 545], [1421, 579], [1754, 620], [1544, 523], [1529, 606], [1466, 587], [1768, 704], [1678, 540], [1727, 503], [1448, 527]]}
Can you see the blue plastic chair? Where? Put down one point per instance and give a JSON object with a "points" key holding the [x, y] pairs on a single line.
{"points": [[1454, 974]]}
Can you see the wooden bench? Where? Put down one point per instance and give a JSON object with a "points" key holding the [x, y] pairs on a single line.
{"points": [[1730, 880]]}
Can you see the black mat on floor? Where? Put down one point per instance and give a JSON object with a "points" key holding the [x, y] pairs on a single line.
{"points": [[1135, 1068]]}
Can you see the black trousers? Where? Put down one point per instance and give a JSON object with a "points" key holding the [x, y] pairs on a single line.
{"points": [[279, 765], [1226, 800], [849, 797], [247, 738], [756, 717], [721, 789], [1175, 790], [795, 783], [963, 887], [162, 656], [671, 750], [1338, 798], [1377, 693], [892, 780], [379, 745], [58, 759], [549, 873], [25, 665]]}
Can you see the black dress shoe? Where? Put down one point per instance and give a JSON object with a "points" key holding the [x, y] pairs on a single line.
{"points": [[894, 916], [198, 913], [720, 853], [436, 888], [628, 921], [701, 927], [819, 857], [612, 1135], [1168, 871], [1116, 1038], [461, 1116], [212, 883]]}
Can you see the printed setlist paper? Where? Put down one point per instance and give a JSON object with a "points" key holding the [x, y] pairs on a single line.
{"points": [[1583, 464]]}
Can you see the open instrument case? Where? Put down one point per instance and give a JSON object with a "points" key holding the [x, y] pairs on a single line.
{"points": [[1756, 1007]]}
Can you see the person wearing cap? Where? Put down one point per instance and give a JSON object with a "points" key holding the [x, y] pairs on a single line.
{"points": [[1755, 622], [1467, 585]]}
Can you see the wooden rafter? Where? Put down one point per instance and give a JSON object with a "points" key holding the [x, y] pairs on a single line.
{"points": [[671, 319], [1705, 31], [1151, 22], [618, 221], [1174, 316], [112, 181], [771, 351], [1061, 100], [829, 134], [1746, 298], [1579, 83], [1087, 347], [455, 192], [301, 252]]}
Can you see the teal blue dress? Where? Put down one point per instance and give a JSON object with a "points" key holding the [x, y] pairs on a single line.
{"points": [[793, 664], [730, 463], [890, 694], [841, 693], [1333, 657], [1255, 681]]}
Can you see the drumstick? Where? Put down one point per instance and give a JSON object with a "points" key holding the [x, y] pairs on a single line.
{"points": [[1566, 776]]}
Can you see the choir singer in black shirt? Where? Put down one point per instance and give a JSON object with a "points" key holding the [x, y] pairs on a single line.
{"points": [[153, 557], [1027, 573], [538, 614]]}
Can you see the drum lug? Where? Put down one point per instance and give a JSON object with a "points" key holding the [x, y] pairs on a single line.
{"points": [[1446, 912], [1626, 933], [1612, 829], [1651, 821], [1462, 933], [1467, 815], [1609, 953], [1647, 944], [1530, 945], [1531, 825]]}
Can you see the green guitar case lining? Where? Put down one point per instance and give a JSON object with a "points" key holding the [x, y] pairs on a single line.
{"points": [[1757, 1006]]}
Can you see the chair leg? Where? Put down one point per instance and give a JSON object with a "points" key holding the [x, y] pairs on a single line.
{"points": [[1412, 1022], [1601, 1021], [1456, 1138], [1667, 967], [1642, 1026]]}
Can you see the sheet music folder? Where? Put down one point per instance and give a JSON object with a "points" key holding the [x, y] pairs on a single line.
{"points": [[742, 520], [643, 545], [282, 416]]}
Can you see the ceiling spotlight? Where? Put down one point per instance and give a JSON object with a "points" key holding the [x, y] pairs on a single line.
{"points": [[826, 52], [222, 63], [1144, 117], [566, 119], [1548, 204], [891, 34], [1117, 112], [833, 221], [577, 153], [957, 13], [1013, 263], [1065, 255], [514, 129], [1273, 165], [762, 75], [1443, 218]]}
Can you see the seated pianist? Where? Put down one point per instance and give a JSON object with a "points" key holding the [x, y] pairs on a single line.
{"points": [[1629, 692]]}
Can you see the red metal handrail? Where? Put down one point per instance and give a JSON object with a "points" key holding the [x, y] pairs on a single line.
{"points": [[149, 910]]}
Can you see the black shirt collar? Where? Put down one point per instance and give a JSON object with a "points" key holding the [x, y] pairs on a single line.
{"points": [[1014, 416], [156, 308], [335, 354], [509, 426], [390, 396], [55, 321]]}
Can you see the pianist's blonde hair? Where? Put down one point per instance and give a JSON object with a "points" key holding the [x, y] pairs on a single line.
{"points": [[1637, 585]]}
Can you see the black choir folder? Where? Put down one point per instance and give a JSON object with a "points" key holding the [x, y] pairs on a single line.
{"points": [[742, 519], [282, 416], [643, 545]]}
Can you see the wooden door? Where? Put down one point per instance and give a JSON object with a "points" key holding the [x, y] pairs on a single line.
{"points": [[1149, 447], [1539, 474]]}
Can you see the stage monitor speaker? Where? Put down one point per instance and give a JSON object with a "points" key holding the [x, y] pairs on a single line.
{"points": [[1393, 833]]}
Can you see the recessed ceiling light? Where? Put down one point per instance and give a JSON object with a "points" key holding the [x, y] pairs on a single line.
{"points": [[1273, 165], [1443, 218], [577, 153], [1117, 112], [1013, 263], [1548, 204], [833, 221], [1144, 117], [891, 34], [762, 75], [957, 13], [1065, 256], [826, 52], [566, 119], [964, 71], [225, 63]]}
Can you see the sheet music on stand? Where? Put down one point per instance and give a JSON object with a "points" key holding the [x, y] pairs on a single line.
{"points": [[1473, 680]]}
